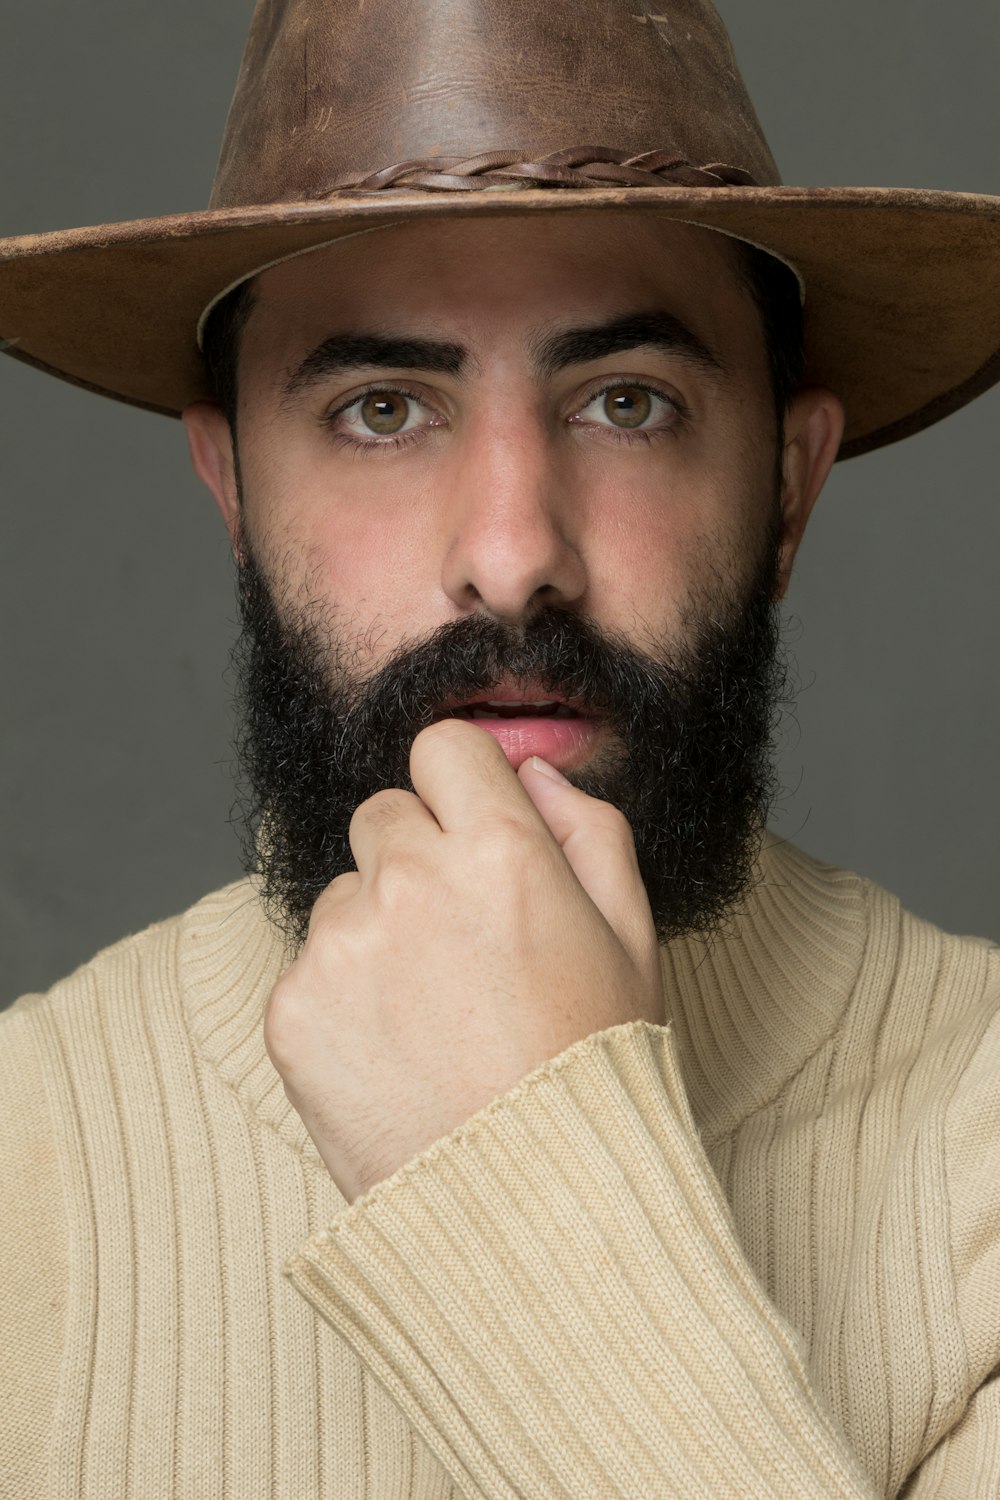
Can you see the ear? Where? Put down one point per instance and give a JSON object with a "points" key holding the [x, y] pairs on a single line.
{"points": [[814, 426], [211, 443]]}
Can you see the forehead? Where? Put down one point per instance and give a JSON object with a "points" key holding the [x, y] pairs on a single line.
{"points": [[492, 283]]}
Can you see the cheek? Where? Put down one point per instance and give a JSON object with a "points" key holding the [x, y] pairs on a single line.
{"points": [[330, 536], [678, 532], [651, 549], [649, 574], [374, 561], [373, 564]]}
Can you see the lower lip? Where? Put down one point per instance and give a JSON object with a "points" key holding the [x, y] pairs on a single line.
{"points": [[559, 741]]}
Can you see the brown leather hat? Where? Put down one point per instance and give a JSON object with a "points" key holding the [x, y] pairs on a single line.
{"points": [[352, 116]]}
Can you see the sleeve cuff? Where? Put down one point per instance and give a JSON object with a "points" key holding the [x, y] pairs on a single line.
{"points": [[555, 1298]]}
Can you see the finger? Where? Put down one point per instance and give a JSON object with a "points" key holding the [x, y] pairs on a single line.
{"points": [[388, 821], [598, 843], [463, 777]]}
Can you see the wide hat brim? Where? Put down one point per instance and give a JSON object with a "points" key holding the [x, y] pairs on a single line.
{"points": [[902, 304]]}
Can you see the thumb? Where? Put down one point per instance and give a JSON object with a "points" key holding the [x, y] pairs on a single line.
{"points": [[597, 840]]}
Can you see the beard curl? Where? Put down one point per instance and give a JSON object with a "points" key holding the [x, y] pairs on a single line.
{"points": [[689, 763]]}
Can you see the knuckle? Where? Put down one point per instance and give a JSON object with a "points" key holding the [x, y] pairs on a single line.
{"points": [[381, 810], [283, 1020], [399, 881], [500, 840]]}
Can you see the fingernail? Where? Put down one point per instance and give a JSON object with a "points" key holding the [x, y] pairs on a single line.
{"points": [[549, 771]]}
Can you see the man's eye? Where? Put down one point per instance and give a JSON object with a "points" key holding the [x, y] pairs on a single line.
{"points": [[380, 414], [628, 406]]}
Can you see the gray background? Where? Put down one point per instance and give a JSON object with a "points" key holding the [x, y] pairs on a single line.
{"points": [[117, 592]]}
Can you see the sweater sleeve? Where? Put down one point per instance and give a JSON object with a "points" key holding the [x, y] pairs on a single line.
{"points": [[966, 1462], [33, 1260], [555, 1297]]}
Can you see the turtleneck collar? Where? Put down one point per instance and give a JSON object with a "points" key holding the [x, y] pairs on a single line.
{"points": [[754, 1002], [750, 1005]]}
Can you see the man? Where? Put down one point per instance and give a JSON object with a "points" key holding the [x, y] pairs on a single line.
{"points": [[515, 449]]}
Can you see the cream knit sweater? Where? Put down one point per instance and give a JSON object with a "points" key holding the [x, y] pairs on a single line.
{"points": [[779, 1277]]}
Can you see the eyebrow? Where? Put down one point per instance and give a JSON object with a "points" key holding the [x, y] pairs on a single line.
{"points": [[552, 353], [655, 330], [354, 351]]}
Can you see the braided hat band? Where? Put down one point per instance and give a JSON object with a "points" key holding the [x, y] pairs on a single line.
{"points": [[576, 167]]}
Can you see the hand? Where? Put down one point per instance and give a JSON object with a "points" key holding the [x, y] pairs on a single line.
{"points": [[495, 918]]}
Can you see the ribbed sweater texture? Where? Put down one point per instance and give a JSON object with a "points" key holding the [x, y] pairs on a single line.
{"points": [[754, 1252]]}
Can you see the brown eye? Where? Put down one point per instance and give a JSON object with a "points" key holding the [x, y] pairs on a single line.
{"points": [[384, 413], [628, 405]]}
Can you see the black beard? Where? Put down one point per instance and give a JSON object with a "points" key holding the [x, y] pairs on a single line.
{"points": [[690, 764]]}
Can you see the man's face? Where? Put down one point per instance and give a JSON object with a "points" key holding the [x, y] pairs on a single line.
{"points": [[512, 461], [513, 481]]}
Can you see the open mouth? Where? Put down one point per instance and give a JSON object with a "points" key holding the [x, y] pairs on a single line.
{"points": [[529, 718], [492, 709]]}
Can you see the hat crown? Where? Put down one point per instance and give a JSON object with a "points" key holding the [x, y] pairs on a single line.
{"points": [[332, 91]]}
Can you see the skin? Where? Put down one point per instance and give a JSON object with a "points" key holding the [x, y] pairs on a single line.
{"points": [[496, 916]]}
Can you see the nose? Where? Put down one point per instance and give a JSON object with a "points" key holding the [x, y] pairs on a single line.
{"points": [[512, 535]]}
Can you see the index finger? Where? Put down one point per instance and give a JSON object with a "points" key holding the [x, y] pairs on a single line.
{"points": [[461, 774]]}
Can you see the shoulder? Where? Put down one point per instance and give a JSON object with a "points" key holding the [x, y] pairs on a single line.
{"points": [[76, 1067], [53, 1045], [60, 1050], [145, 957], [913, 987], [822, 984]]}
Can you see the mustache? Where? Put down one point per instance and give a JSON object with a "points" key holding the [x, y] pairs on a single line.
{"points": [[565, 654]]}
